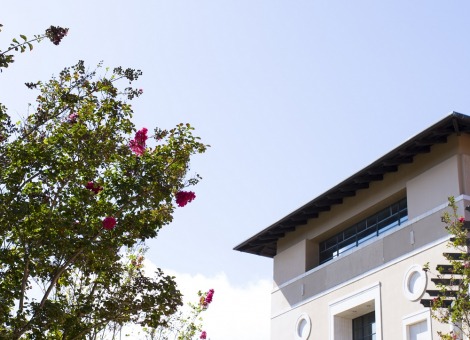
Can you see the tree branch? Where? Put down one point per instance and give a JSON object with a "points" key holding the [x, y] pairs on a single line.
{"points": [[15, 47], [53, 283], [23, 283]]}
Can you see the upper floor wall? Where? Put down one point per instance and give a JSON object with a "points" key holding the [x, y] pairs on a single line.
{"points": [[426, 183]]}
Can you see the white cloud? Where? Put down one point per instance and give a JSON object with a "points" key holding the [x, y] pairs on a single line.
{"points": [[236, 312]]}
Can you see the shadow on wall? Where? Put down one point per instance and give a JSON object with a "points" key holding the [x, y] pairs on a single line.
{"points": [[375, 253]]}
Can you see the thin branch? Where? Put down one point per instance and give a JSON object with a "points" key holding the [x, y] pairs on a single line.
{"points": [[23, 283], [53, 283], [15, 47], [61, 270]]}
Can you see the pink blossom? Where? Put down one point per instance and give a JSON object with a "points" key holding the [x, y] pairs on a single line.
{"points": [[203, 335], [209, 296], [137, 144], [93, 187], [461, 219], [206, 299], [72, 118], [109, 223], [184, 197]]}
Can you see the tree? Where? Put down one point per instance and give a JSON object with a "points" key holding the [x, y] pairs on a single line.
{"points": [[75, 191], [451, 301], [185, 324]]}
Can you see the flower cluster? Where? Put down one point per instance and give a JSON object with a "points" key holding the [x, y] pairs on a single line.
{"points": [[109, 223], [137, 144], [206, 299], [461, 219], [93, 187], [455, 336], [203, 335], [209, 296], [184, 197], [137, 262], [56, 34], [72, 118]]}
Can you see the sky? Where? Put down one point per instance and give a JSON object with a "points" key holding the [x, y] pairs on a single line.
{"points": [[292, 96]]}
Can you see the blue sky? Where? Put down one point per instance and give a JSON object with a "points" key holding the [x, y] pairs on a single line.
{"points": [[292, 96]]}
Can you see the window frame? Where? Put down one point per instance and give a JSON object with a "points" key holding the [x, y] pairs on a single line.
{"points": [[413, 319], [349, 302]]}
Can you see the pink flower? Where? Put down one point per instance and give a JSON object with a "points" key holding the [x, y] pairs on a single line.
{"points": [[137, 145], [203, 335], [184, 197], [72, 118], [93, 187], [109, 223], [461, 219], [209, 296], [206, 299]]}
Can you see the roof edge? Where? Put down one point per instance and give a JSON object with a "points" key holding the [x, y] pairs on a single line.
{"points": [[264, 243]]}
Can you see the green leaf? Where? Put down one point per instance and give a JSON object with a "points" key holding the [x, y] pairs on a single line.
{"points": [[23, 37]]}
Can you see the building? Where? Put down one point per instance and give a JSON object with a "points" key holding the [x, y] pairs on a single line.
{"points": [[348, 264]]}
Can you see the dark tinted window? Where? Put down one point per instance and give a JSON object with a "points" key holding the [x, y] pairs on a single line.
{"points": [[373, 226]]}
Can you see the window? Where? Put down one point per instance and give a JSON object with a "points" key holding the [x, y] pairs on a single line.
{"points": [[357, 316], [303, 326], [417, 326], [386, 219], [415, 283], [364, 327], [418, 331]]}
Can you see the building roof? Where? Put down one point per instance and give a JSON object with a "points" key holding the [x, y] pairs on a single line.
{"points": [[264, 243]]}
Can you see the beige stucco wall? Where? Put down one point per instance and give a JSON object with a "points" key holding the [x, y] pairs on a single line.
{"points": [[393, 302], [291, 262], [433, 186]]}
